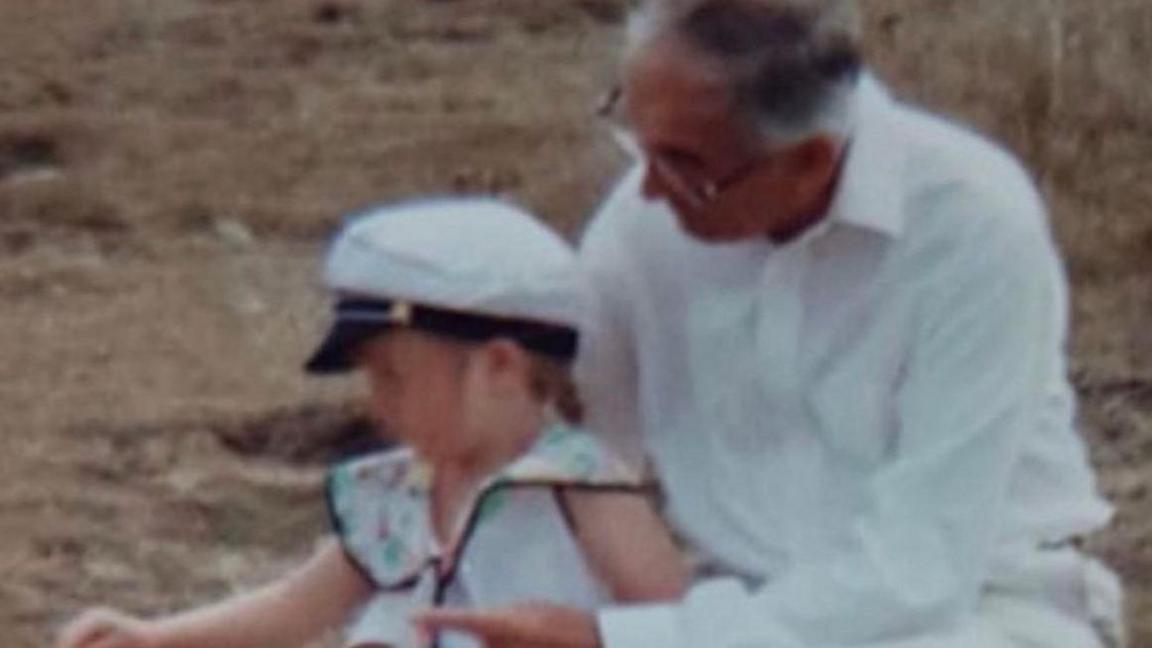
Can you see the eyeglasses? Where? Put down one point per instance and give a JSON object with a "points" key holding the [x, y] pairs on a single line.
{"points": [[697, 194]]}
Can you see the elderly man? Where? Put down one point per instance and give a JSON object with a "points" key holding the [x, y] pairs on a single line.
{"points": [[835, 324]]}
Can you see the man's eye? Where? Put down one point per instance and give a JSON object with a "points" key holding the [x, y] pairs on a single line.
{"points": [[682, 160]]}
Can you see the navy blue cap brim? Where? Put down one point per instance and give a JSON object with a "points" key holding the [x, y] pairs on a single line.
{"points": [[358, 320], [337, 352]]}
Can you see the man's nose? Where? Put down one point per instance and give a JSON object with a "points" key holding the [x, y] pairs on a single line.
{"points": [[652, 186]]}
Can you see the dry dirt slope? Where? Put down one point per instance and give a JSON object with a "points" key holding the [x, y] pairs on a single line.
{"points": [[167, 172]]}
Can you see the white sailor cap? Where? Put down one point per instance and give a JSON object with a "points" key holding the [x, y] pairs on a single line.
{"points": [[469, 268]]}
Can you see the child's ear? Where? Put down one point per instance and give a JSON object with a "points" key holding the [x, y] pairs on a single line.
{"points": [[503, 361], [499, 367], [494, 381]]}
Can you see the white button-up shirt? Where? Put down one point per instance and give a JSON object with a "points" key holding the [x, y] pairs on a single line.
{"points": [[863, 426]]}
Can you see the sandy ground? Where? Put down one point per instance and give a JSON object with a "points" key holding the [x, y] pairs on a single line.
{"points": [[168, 173]]}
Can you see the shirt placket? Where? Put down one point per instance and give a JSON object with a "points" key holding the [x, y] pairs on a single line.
{"points": [[734, 445], [781, 379]]}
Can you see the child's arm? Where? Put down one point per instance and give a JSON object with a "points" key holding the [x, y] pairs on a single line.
{"points": [[289, 612], [628, 545]]}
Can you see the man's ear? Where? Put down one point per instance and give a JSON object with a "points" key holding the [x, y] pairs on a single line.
{"points": [[812, 166], [815, 158]]}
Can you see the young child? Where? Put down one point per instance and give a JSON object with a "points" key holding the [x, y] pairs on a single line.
{"points": [[462, 314]]}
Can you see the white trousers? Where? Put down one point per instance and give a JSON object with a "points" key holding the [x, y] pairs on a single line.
{"points": [[1060, 599]]}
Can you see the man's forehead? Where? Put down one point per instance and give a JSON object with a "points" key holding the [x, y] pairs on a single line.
{"points": [[666, 69]]}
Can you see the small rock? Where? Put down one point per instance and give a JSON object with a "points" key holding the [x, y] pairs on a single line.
{"points": [[32, 175], [233, 232], [249, 304]]}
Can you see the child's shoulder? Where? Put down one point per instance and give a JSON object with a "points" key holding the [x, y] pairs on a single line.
{"points": [[568, 454]]}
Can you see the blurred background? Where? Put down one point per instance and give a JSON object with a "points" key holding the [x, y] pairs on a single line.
{"points": [[170, 171]]}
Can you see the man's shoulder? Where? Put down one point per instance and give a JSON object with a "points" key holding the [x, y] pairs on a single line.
{"points": [[961, 184], [943, 153]]}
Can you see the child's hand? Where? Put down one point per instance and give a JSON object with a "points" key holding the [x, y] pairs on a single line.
{"points": [[106, 628]]}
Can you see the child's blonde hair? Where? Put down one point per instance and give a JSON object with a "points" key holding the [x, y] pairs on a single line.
{"points": [[552, 383]]}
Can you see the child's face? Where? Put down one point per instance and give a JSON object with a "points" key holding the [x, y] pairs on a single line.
{"points": [[416, 391]]}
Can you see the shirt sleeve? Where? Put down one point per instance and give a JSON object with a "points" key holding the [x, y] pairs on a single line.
{"points": [[986, 336], [606, 367]]}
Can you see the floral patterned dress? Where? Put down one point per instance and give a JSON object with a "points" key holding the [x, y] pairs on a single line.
{"points": [[514, 543]]}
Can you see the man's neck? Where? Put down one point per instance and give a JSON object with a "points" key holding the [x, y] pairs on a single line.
{"points": [[805, 221], [815, 213]]}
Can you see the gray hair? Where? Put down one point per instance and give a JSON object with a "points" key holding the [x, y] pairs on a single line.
{"points": [[793, 65]]}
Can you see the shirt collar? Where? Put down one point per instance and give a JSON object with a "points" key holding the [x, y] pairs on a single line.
{"points": [[869, 192]]}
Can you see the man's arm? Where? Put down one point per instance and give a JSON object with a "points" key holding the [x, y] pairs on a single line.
{"points": [[606, 367]]}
